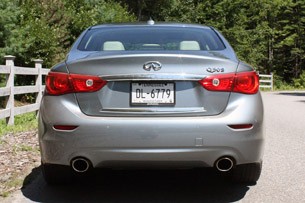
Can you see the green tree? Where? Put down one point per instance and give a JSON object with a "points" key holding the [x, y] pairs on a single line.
{"points": [[84, 14], [251, 27], [9, 12], [146, 9], [290, 46], [47, 28], [41, 32]]}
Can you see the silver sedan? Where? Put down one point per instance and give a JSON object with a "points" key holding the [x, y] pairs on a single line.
{"points": [[151, 95]]}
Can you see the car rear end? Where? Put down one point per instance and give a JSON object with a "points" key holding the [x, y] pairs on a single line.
{"points": [[151, 96]]}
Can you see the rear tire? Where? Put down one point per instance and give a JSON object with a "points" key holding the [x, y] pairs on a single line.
{"points": [[56, 174], [247, 173]]}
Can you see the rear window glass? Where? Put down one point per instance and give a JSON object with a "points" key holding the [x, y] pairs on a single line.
{"points": [[150, 38]]}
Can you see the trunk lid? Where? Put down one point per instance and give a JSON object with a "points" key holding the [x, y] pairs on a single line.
{"points": [[183, 71]]}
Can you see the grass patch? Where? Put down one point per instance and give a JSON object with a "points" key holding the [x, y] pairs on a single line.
{"points": [[26, 148], [15, 182], [23, 122], [5, 194]]}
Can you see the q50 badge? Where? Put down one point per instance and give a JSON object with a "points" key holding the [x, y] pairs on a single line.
{"points": [[217, 70]]}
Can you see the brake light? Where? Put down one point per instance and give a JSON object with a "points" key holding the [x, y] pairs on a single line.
{"points": [[245, 82], [64, 83]]}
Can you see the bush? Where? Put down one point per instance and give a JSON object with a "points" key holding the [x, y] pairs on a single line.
{"points": [[300, 82], [280, 84]]}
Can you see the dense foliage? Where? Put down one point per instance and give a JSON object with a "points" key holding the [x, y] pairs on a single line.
{"points": [[270, 35], [46, 28]]}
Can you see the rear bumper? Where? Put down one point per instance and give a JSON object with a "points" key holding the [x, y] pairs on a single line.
{"points": [[171, 141]]}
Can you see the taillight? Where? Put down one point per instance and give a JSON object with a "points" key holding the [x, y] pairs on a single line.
{"points": [[86, 83], [64, 83], [245, 82], [58, 83]]}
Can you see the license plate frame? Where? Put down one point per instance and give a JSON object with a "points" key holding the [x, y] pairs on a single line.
{"points": [[146, 88]]}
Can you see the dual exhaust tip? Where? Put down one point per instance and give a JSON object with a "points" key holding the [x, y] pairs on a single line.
{"points": [[82, 165]]}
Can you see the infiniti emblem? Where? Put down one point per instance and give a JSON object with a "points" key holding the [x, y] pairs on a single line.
{"points": [[155, 65]]}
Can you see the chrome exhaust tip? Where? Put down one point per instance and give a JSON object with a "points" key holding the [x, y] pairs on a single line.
{"points": [[80, 165], [224, 164]]}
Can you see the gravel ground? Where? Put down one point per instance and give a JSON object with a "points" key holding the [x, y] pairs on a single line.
{"points": [[19, 154]]}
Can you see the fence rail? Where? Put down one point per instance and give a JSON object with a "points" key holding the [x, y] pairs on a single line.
{"points": [[266, 81], [9, 91]]}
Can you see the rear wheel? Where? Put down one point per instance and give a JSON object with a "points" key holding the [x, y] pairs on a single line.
{"points": [[56, 174], [247, 173]]}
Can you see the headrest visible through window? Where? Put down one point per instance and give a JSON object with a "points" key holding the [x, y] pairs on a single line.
{"points": [[189, 45], [113, 46]]}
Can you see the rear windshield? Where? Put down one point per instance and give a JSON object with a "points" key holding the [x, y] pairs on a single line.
{"points": [[151, 38]]}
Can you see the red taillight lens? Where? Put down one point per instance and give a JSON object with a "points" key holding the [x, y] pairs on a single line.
{"points": [[218, 82], [86, 83], [63, 83], [58, 83], [246, 82]]}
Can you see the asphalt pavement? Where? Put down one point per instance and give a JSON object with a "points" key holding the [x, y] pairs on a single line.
{"points": [[282, 179]]}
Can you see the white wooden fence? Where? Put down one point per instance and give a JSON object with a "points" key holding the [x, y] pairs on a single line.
{"points": [[9, 91], [266, 81]]}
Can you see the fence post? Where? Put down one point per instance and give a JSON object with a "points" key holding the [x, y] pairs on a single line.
{"points": [[9, 61], [271, 81], [38, 82]]}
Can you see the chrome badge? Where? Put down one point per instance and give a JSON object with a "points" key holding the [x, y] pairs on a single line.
{"points": [[217, 70], [155, 65]]}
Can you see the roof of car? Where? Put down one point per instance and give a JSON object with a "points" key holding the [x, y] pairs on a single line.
{"points": [[146, 24]]}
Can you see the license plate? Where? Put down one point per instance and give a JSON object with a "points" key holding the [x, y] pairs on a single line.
{"points": [[153, 94]]}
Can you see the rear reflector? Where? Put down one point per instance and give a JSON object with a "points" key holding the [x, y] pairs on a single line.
{"points": [[245, 82], [64, 127], [64, 83], [241, 126]]}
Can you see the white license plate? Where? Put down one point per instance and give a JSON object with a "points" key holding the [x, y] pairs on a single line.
{"points": [[152, 94]]}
